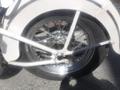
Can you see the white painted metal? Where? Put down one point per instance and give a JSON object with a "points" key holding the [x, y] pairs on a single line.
{"points": [[27, 41], [31, 64], [54, 60], [71, 31], [90, 47], [6, 3], [105, 43], [38, 7], [12, 7]]}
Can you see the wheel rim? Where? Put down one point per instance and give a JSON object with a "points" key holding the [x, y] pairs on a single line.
{"points": [[52, 32]]}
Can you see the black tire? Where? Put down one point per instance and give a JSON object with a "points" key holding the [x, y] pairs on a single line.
{"points": [[86, 65]]}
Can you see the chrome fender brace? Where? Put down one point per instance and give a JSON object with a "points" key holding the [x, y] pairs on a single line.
{"points": [[55, 53]]}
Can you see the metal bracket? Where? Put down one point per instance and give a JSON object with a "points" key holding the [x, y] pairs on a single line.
{"points": [[93, 46], [40, 46], [39, 63], [31, 64]]}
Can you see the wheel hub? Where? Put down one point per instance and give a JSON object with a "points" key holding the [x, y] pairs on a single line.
{"points": [[59, 36]]}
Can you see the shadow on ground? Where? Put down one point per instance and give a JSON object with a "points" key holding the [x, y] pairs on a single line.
{"points": [[90, 82], [86, 83]]}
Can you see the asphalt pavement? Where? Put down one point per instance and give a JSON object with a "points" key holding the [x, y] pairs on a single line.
{"points": [[105, 77]]}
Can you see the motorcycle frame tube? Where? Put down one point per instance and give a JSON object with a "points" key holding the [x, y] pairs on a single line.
{"points": [[102, 10]]}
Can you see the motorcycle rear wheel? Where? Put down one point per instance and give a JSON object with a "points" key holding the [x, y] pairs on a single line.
{"points": [[47, 32]]}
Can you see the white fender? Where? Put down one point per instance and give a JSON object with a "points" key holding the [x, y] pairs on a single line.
{"points": [[28, 11]]}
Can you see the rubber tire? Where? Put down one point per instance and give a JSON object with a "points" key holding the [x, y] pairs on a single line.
{"points": [[98, 57]]}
